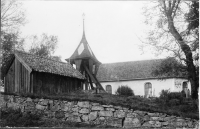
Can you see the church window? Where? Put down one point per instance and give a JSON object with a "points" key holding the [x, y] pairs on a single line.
{"points": [[109, 89], [148, 90]]}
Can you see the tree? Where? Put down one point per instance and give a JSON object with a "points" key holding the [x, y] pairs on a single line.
{"points": [[170, 34], [44, 46], [12, 15], [9, 43], [170, 67]]}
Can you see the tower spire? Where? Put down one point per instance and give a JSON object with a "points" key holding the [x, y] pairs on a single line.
{"points": [[83, 24]]}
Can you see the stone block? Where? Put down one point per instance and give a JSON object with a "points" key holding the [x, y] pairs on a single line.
{"points": [[157, 124], [84, 104], [92, 116], [67, 114], [40, 107], [75, 113], [106, 113], [146, 118], [152, 122], [55, 108], [180, 120], [36, 100], [101, 118], [110, 109], [172, 124], [115, 122], [156, 118], [84, 111], [74, 118], [167, 118], [179, 124], [142, 113], [30, 103], [28, 100], [119, 114], [85, 118], [59, 114], [44, 102], [75, 109], [190, 124], [106, 106], [97, 108], [147, 124], [165, 123], [153, 114], [95, 104], [132, 115], [64, 107], [132, 122]]}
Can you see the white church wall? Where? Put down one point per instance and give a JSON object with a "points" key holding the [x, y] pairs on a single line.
{"points": [[138, 85]]}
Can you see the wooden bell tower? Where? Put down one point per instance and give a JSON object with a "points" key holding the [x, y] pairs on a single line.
{"points": [[86, 63]]}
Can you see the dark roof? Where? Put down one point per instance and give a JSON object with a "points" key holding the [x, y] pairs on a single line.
{"points": [[83, 51], [129, 70], [46, 65]]}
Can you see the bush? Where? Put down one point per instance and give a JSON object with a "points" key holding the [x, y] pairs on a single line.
{"points": [[171, 97], [15, 118], [124, 90]]}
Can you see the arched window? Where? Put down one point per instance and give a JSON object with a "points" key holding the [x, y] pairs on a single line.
{"points": [[109, 89], [148, 90]]}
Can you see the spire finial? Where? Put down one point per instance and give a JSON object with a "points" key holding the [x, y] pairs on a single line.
{"points": [[83, 23]]}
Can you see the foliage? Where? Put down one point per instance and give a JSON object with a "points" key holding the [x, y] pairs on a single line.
{"points": [[192, 17], [1, 83], [124, 90], [170, 67], [12, 15], [15, 118], [172, 97], [44, 45], [9, 43]]}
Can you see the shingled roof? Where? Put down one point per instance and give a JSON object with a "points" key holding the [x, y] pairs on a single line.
{"points": [[128, 70], [40, 64]]}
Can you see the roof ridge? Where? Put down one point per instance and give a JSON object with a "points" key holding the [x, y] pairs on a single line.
{"points": [[134, 61], [40, 56]]}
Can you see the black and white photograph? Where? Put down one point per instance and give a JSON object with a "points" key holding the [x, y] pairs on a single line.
{"points": [[99, 64]]}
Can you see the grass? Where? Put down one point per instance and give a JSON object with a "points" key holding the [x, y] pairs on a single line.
{"points": [[187, 108]]}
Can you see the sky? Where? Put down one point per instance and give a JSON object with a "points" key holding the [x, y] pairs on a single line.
{"points": [[112, 28]]}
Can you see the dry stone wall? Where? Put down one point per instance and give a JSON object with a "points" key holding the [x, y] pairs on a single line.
{"points": [[97, 114]]}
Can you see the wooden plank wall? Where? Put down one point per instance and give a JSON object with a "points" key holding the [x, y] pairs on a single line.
{"points": [[10, 79], [46, 83], [17, 81]]}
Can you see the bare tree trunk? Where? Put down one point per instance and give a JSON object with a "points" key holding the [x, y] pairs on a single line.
{"points": [[189, 59]]}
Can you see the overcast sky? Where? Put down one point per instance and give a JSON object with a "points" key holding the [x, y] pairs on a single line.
{"points": [[112, 27]]}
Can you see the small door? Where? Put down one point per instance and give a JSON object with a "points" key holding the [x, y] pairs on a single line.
{"points": [[147, 90], [185, 87], [109, 89]]}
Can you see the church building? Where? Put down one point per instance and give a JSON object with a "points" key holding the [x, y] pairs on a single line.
{"points": [[135, 74]]}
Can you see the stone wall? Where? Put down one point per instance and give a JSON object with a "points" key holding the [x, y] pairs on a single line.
{"points": [[95, 113]]}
